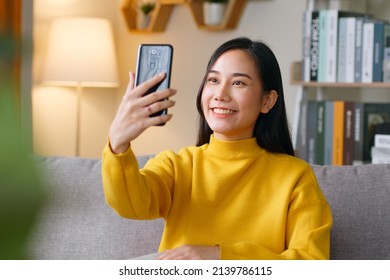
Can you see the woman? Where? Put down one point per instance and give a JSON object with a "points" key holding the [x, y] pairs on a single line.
{"points": [[240, 193]]}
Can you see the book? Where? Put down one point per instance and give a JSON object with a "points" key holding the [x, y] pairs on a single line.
{"points": [[338, 133], [350, 56], [301, 144], [373, 51], [386, 53], [368, 51], [323, 48], [382, 141], [349, 120], [380, 152], [358, 134], [377, 67], [328, 132], [315, 132], [314, 45], [380, 155], [306, 31], [374, 114], [358, 49], [312, 132], [342, 50], [346, 50], [320, 132]]}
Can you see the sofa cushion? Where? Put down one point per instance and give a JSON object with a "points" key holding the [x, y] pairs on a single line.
{"points": [[75, 223], [359, 197]]}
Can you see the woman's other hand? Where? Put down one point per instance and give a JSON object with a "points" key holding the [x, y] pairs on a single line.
{"points": [[191, 252]]}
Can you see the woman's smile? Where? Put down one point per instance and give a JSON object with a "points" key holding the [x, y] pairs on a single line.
{"points": [[223, 111]]}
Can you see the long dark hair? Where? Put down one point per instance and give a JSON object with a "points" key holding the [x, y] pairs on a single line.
{"points": [[271, 130]]}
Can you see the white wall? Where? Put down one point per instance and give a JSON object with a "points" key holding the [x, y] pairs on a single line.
{"points": [[277, 22]]}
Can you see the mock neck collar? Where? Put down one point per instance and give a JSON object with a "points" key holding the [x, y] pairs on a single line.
{"points": [[234, 149]]}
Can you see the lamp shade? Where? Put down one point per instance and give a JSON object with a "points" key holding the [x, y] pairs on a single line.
{"points": [[81, 52]]}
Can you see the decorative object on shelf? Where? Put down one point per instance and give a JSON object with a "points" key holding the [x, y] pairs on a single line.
{"points": [[80, 53], [232, 15], [144, 11], [214, 11]]}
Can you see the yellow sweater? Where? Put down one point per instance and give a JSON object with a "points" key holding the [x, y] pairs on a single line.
{"points": [[252, 203]]}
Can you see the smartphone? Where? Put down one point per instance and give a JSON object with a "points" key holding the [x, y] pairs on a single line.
{"points": [[152, 60]]}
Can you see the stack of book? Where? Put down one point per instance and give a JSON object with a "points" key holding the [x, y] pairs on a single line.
{"points": [[380, 152], [339, 132], [341, 46]]}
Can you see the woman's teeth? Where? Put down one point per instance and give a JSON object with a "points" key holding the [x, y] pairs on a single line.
{"points": [[222, 111]]}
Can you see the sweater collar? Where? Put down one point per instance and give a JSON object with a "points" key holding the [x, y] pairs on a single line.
{"points": [[234, 149]]}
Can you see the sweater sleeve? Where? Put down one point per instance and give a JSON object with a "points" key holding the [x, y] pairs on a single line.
{"points": [[133, 193], [307, 233]]}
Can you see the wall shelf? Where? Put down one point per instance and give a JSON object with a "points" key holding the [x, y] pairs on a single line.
{"points": [[160, 15], [163, 9]]}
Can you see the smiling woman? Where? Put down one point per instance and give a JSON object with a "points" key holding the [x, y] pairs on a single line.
{"points": [[240, 193]]}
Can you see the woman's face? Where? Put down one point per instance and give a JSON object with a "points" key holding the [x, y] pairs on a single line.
{"points": [[232, 97]]}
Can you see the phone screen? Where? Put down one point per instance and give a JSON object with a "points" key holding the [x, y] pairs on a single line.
{"points": [[153, 60]]}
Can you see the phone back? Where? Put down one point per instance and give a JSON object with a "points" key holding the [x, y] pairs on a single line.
{"points": [[153, 60]]}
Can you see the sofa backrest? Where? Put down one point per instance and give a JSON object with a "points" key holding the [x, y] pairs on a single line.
{"points": [[359, 197]]}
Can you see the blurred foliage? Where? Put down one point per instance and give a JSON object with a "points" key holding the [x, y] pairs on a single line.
{"points": [[21, 193]]}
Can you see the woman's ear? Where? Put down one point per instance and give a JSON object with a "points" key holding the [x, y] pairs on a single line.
{"points": [[269, 101]]}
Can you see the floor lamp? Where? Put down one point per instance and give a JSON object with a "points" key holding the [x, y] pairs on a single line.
{"points": [[80, 53]]}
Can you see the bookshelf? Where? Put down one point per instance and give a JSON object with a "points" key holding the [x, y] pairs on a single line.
{"points": [[307, 115], [319, 88], [163, 9]]}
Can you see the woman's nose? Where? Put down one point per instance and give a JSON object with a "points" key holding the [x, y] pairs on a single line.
{"points": [[222, 93]]}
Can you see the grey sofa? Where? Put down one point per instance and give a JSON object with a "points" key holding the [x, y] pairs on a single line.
{"points": [[75, 222]]}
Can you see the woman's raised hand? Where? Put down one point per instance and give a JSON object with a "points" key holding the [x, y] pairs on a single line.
{"points": [[133, 115]]}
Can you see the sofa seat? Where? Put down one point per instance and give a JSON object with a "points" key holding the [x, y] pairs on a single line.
{"points": [[75, 223]]}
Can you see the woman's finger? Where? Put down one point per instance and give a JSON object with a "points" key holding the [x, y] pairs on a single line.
{"points": [[130, 85], [153, 121], [156, 97], [155, 107], [141, 89]]}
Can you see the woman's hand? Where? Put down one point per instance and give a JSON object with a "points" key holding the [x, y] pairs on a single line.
{"points": [[133, 115], [190, 252]]}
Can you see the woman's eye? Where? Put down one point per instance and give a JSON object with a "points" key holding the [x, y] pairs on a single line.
{"points": [[238, 83], [212, 80]]}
